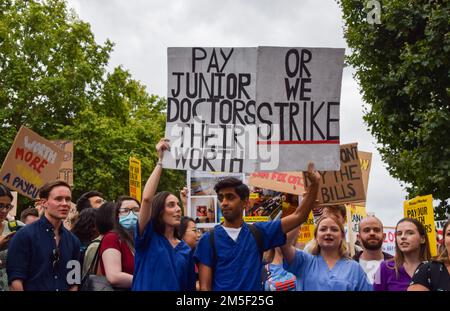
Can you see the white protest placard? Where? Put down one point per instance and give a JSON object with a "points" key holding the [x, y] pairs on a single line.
{"points": [[253, 109], [298, 94], [389, 242], [210, 108]]}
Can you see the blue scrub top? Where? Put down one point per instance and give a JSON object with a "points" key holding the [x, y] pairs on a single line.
{"points": [[160, 266], [313, 274], [238, 264]]}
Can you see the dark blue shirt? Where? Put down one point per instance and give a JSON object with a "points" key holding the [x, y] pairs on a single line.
{"points": [[238, 265], [160, 266], [34, 258]]}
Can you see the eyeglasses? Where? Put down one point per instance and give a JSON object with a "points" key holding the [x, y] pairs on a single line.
{"points": [[199, 231], [123, 211], [55, 258], [6, 206]]}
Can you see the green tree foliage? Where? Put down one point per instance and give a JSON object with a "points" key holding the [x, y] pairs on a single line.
{"points": [[54, 80], [402, 65]]}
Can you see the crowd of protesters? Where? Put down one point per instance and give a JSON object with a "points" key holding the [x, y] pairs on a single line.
{"points": [[151, 245]]}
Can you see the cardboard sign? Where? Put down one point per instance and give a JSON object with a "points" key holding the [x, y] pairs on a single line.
{"points": [[343, 186], [290, 182], [71, 217], [253, 109], [355, 213], [306, 233], [31, 162], [365, 159], [211, 103], [421, 208], [202, 202], [135, 179], [389, 242], [298, 93], [66, 170]]}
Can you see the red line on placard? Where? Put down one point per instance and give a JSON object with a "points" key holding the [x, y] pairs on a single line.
{"points": [[297, 142]]}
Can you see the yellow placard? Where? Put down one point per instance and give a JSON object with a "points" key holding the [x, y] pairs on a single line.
{"points": [[135, 178], [421, 208], [251, 218], [306, 233]]}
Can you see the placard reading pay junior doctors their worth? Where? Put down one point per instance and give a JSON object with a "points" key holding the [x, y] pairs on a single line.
{"points": [[253, 109]]}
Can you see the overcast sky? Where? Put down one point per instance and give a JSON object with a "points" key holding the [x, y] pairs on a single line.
{"points": [[143, 30]]}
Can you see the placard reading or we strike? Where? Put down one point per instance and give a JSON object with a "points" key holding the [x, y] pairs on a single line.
{"points": [[253, 109], [421, 208], [30, 163]]}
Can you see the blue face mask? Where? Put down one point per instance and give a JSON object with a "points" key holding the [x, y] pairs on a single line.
{"points": [[129, 221]]}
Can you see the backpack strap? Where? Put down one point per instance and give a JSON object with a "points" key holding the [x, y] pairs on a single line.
{"points": [[94, 262], [213, 248], [257, 235]]}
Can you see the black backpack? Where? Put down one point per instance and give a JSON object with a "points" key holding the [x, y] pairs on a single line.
{"points": [[257, 235]]}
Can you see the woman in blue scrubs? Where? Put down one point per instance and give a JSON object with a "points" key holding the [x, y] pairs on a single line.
{"points": [[162, 261], [328, 267]]}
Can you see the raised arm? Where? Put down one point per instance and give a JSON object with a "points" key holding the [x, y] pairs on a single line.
{"points": [[151, 185], [300, 215], [183, 198]]}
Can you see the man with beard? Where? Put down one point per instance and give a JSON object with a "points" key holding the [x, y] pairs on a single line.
{"points": [[371, 236]]}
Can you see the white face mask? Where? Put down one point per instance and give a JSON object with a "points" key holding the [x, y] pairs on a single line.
{"points": [[129, 221]]}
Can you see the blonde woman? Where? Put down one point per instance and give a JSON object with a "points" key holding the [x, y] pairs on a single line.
{"points": [[411, 249], [327, 268], [434, 275]]}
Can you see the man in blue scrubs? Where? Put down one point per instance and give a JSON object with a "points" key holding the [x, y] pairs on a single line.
{"points": [[238, 264]]}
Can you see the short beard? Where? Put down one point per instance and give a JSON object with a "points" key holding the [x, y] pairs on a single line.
{"points": [[372, 247]]}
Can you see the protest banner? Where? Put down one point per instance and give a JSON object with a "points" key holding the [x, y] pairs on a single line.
{"points": [[253, 109], [135, 178], [202, 203], [271, 204], [389, 241], [355, 213], [290, 182], [439, 224], [71, 217], [421, 208], [306, 232], [343, 186], [66, 170], [298, 93], [365, 160], [31, 162], [210, 106]]}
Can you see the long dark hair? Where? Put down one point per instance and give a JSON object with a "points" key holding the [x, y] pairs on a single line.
{"points": [[183, 226], [108, 220], [158, 207], [84, 227], [4, 191], [399, 257]]}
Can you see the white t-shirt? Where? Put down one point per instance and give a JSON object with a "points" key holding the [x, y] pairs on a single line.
{"points": [[232, 232], [370, 267]]}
